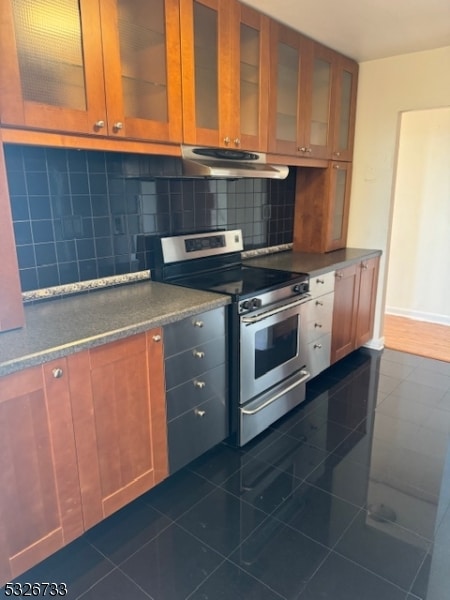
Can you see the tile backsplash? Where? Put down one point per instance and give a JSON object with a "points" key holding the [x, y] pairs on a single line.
{"points": [[76, 219]]}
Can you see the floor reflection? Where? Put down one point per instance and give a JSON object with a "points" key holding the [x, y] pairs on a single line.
{"points": [[347, 497]]}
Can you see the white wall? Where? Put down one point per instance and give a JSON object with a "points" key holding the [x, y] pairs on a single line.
{"points": [[388, 87], [418, 285]]}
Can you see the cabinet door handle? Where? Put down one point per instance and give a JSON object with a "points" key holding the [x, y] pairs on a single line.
{"points": [[317, 346], [198, 354], [198, 323], [317, 325], [337, 153], [199, 384], [99, 124], [337, 166], [302, 149], [156, 338], [339, 275], [319, 303], [226, 140], [364, 266], [57, 373], [199, 413], [237, 142], [118, 125]]}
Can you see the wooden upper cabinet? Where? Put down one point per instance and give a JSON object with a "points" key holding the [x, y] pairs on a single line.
{"points": [[99, 67], [225, 53], [118, 404], [344, 108], [300, 101], [40, 504], [11, 308]]}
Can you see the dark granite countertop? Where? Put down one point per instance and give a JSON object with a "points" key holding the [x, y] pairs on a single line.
{"points": [[314, 264], [57, 328]]}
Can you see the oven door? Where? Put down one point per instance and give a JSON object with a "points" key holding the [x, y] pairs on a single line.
{"points": [[270, 349]]}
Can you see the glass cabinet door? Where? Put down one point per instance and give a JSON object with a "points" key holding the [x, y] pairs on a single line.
{"points": [[340, 175], [345, 106], [252, 50], [319, 126], [51, 81], [142, 68], [287, 62]]}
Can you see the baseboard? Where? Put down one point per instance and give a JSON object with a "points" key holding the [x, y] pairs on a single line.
{"points": [[418, 315], [375, 343]]}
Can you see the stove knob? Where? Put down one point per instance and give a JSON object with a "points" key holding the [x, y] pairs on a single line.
{"points": [[246, 305], [298, 288], [256, 303]]}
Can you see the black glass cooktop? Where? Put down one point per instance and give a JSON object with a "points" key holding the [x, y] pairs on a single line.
{"points": [[240, 281]]}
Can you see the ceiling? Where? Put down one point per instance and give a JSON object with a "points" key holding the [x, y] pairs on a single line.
{"points": [[366, 29]]}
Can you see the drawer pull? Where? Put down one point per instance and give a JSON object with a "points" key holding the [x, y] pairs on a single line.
{"points": [[199, 384], [318, 346], [198, 323], [57, 373], [319, 303], [199, 413], [198, 354], [317, 325], [320, 280]]}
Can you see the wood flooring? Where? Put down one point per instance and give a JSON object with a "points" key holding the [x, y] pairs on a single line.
{"points": [[417, 337]]}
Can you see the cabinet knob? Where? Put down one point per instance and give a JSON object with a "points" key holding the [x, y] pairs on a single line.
{"points": [[57, 373], [199, 413], [198, 324], [318, 325], [118, 126], [99, 124], [198, 354], [237, 142], [364, 266], [156, 338], [317, 346], [226, 140], [337, 167], [338, 275], [319, 303], [199, 384], [309, 150], [337, 153], [301, 149]]}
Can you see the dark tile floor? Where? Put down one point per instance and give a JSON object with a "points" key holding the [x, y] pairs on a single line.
{"points": [[348, 497]]}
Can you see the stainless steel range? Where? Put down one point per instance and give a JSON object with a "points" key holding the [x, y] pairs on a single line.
{"points": [[267, 367]]}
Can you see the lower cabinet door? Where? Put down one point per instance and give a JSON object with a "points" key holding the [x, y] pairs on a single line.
{"points": [[196, 431], [119, 413], [40, 504]]}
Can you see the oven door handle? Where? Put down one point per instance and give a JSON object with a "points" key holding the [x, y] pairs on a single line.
{"points": [[275, 311], [305, 375]]}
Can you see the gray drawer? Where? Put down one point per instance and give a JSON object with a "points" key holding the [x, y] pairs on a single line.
{"points": [[321, 284], [196, 431], [193, 331], [190, 363], [197, 390]]}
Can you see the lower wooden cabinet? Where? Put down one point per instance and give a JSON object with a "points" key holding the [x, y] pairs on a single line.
{"points": [[40, 500], [354, 307], [80, 438], [119, 416]]}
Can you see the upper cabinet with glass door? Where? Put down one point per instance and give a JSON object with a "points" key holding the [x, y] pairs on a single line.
{"points": [[99, 67], [344, 107], [225, 50], [301, 83]]}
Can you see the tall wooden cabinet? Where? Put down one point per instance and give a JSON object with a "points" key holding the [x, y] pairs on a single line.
{"points": [[97, 67], [118, 404], [225, 52], [11, 310], [40, 502], [354, 307]]}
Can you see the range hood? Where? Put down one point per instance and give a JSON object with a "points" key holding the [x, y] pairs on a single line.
{"points": [[224, 162], [201, 162]]}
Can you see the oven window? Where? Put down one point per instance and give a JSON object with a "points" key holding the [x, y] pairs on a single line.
{"points": [[275, 345]]}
